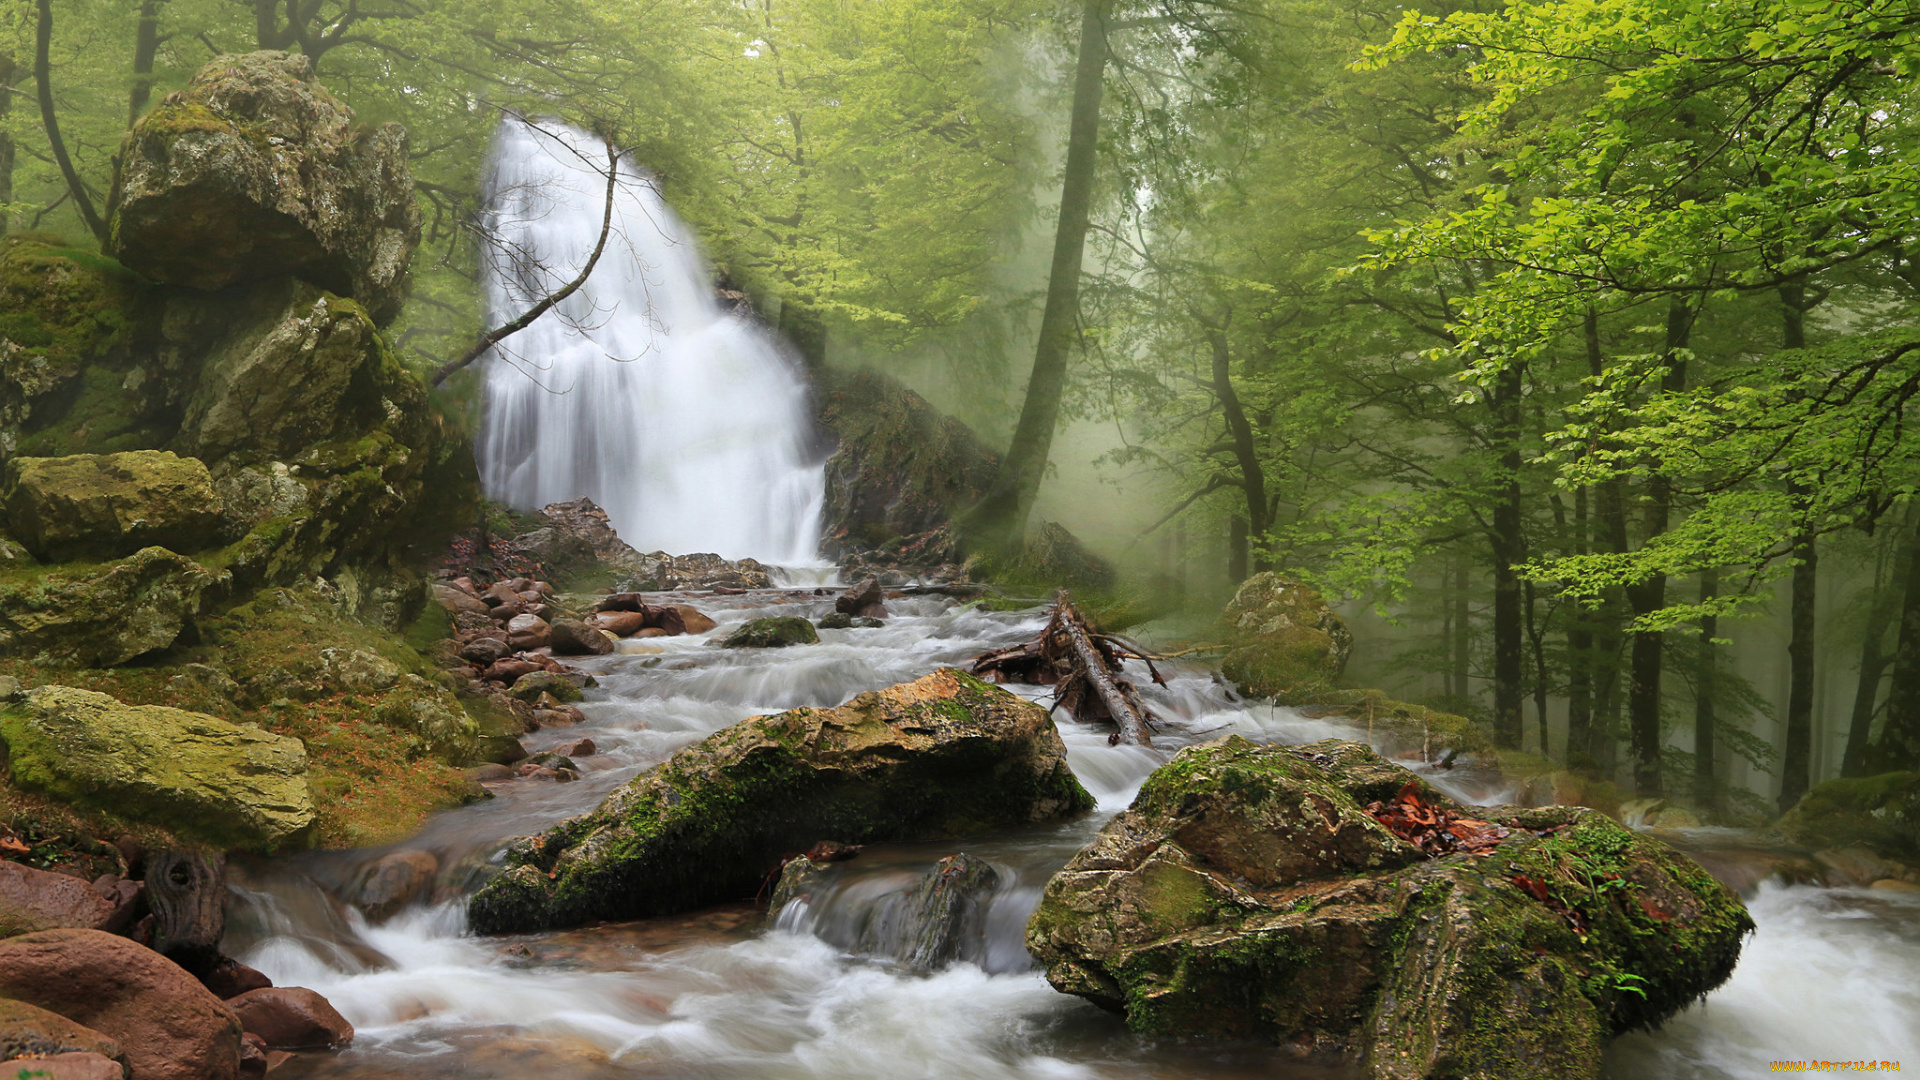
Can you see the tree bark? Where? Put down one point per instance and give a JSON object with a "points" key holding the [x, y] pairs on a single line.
{"points": [[43, 90], [1579, 650], [1253, 480], [1796, 756], [1000, 518], [9, 75], [1509, 550], [1874, 660], [1899, 745], [146, 45], [1536, 636], [1647, 597], [1706, 790]]}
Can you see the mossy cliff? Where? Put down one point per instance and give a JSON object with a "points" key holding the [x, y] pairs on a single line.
{"points": [[946, 755], [1249, 891], [218, 477]]}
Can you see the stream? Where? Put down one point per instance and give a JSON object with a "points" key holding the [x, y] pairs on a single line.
{"points": [[732, 992]]}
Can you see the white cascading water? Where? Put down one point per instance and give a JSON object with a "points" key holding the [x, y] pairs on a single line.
{"points": [[685, 422]]}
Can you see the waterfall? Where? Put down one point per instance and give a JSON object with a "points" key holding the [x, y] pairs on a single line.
{"points": [[685, 422]]}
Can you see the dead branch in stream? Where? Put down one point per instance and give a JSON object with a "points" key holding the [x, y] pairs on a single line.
{"points": [[1084, 665]]}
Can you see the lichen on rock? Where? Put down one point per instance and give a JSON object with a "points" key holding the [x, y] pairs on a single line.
{"points": [[1284, 641], [946, 755], [1249, 891], [95, 616], [104, 506], [231, 785], [254, 171]]}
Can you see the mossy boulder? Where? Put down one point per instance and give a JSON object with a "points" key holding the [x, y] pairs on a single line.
{"points": [[1880, 813], [253, 171], [943, 756], [97, 616], [1284, 641], [1249, 892], [774, 633], [530, 686], [104, 506], [227, 784]]}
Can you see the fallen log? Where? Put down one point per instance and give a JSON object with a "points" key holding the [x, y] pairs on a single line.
{"points": [[1085, 666]]}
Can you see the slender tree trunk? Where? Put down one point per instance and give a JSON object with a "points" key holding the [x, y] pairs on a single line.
{"points": [[1611, 535], [1509, 549], [1246, 454], [146, 45], [1706, 790], [43, 90], [1579, 650], [1874, 660], [1536, 636], [1647, 597], [1899, 745], [1796, 757], [9, 75], [1001, 516], [1462, 634]]}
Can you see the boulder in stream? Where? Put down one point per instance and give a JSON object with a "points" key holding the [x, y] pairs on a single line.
{"points": [[773, 633], [945, 755], [1285, 641], [1323, 898]]}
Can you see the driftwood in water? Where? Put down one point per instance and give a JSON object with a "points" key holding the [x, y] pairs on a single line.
{"points": [[1084, 664], [188, 894]]}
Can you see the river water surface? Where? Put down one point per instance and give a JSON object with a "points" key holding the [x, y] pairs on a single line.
{"points": [[735, 993]]}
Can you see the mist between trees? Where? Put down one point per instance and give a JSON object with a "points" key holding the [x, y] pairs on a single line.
{"points": [[1575, 340]]}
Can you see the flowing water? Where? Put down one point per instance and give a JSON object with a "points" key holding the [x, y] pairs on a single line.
{"points": [[735, 992], [686, 423]]}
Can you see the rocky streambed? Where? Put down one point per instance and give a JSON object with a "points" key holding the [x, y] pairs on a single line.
{"points": [[842, 982]]}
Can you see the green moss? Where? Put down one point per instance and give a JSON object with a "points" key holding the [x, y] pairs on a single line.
{"points": [[1881, 813]]}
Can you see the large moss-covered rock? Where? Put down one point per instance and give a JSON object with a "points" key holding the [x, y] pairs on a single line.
{"points": [[945, 755], [301, 366], [101, 616], [1881, 813], [901, 467], [253, 172], [1284, 641], [228, 784], [103, 506], [67, 316], [777, 632], [1248, 891]]}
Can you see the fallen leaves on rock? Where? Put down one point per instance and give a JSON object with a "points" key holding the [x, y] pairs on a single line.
{"points": [[1435, 830]]}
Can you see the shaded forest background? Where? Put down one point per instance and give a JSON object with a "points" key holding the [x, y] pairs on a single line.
{"points": [[1574, 342]]}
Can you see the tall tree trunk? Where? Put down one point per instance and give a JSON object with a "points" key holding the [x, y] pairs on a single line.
{"points": [[43, 90], [1462, 634], [1000, 518], [1253, 480], [1874, 658], [1647, 597], [1610, 511], [1796, 757], [1579, 649], [1537, 637], [1509, 549], [1706, 790], [9, 74], [1899, 745], [146, 45]]}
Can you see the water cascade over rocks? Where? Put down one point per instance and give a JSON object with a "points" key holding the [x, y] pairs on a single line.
{"points": [[685, 422]]}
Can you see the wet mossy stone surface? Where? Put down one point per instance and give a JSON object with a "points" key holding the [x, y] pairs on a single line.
{"points": [[225, 784], [774, 633], [1248, 893], [87, 615], [943, 756], [105, 506], [1881, 813], [1284, 641]]}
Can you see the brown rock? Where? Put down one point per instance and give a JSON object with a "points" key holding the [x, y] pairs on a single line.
{"points": [[489, 773], [692, 620], [394, 882], [292, 1018], [171, 1027], [30, 1031], [230, 978], [576, 748], [253, 1055], [37, 900], [509, 671], [456, 600], [528, 632], [626, 601], [64, 1067], [863, 599], [571, 637], [485, 651], [652, 631], [618, 623]]}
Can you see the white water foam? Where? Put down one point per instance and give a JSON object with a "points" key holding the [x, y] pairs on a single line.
{"points": [[686, 423]]}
